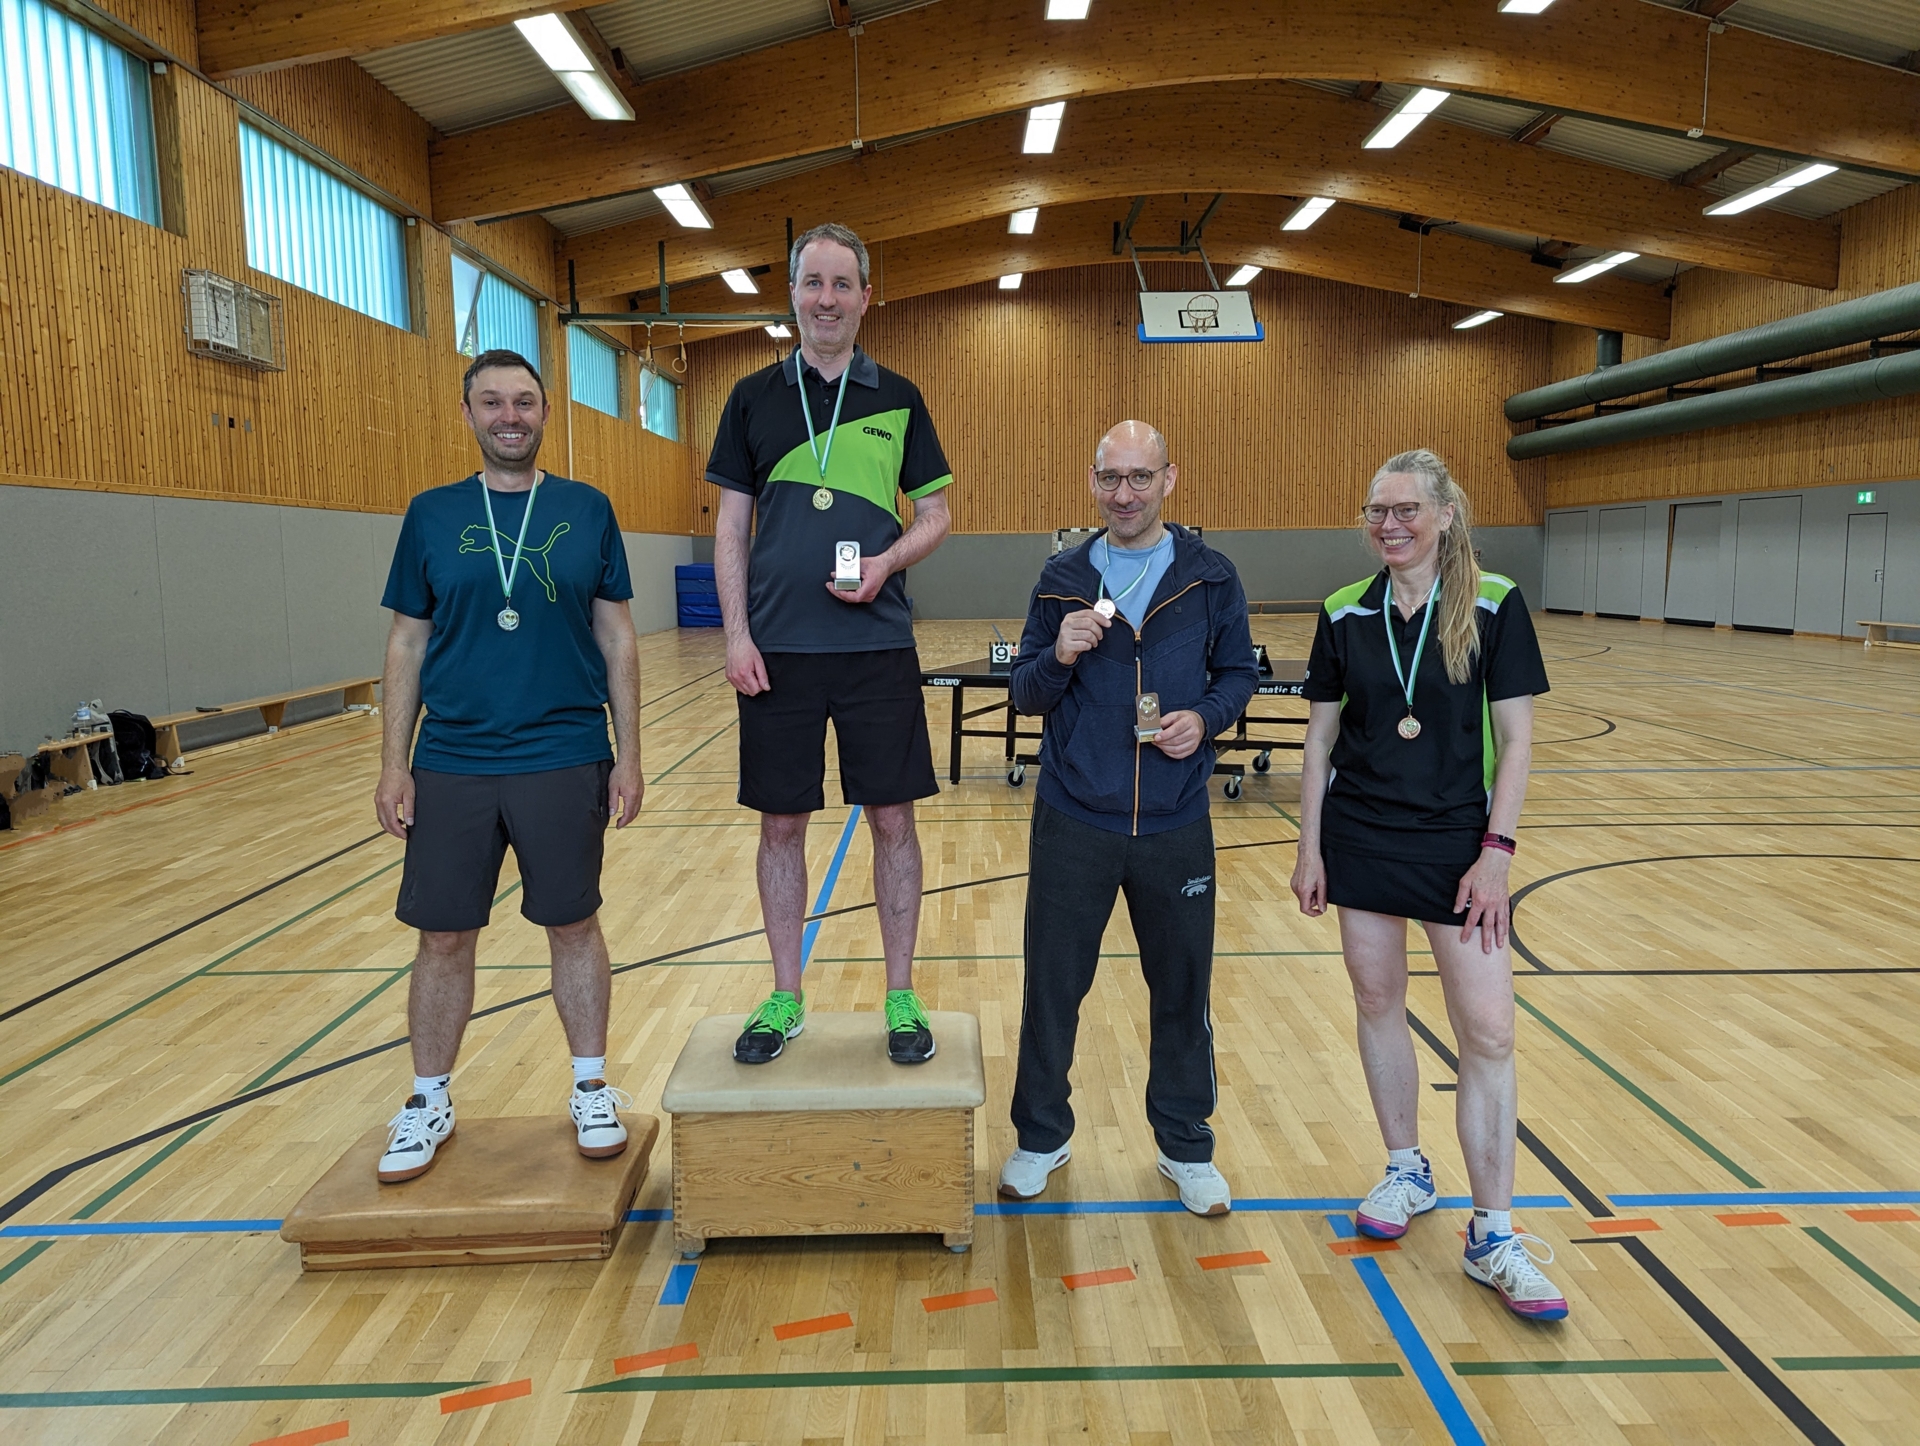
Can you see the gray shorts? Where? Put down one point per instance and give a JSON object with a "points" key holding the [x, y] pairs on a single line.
{"points": [[556, 822]]}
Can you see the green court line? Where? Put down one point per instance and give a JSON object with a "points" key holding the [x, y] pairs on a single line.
{"points": [[1866, 1272], [1702, 1366], [139, 1172], [1847, 1363], [695, 749], [1692, 1135], [1003, 1375], [196, 1395], [25, 1258]]}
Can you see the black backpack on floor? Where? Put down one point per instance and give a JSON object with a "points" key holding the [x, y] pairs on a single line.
{"points": [[134, 740]]}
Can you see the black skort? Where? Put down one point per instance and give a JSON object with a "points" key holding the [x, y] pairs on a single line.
{"points": [[879, 717], [1401, 888], [555, 820]]}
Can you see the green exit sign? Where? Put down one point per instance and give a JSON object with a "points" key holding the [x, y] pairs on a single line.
{"points": [[1863, 499]]}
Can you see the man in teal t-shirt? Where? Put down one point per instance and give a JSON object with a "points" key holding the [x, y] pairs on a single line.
{"points": [[509, 593]]}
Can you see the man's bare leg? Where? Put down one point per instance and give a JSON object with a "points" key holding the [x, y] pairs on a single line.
{"points": [[440, 999], [782, 873], [896, 887], [582, 984]]}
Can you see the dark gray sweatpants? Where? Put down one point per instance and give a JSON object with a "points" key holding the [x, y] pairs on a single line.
{"points": [[1074, 873]]}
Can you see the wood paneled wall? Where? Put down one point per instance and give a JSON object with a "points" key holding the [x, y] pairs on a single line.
{"points": [[1283, 433], [1879, 442], [103, 393]]}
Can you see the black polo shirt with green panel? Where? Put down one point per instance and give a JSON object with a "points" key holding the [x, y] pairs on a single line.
{"points": [[884, 445]]}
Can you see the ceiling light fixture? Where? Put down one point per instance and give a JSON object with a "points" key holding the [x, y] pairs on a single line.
{"points": [[1769, 190], [558, 44], [1067, 9], [1522, 7], [684, 207], [1307, 212], [1011, 282], [1404, 117], [1043, 128], [1021, 223], [739, 281], [1479, 318], [778, 331], [1243, 275], [1587, 270]]}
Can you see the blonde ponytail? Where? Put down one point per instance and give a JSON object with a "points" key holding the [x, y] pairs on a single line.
{"points": [[1457, 624]]}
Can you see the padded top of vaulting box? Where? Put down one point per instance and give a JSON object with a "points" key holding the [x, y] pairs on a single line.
{"points": [[838, 1062], [520, 1175]]}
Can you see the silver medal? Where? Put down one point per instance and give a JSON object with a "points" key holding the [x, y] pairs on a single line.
{"points": [[1105, 608], [1409, 727], [508, 619]]}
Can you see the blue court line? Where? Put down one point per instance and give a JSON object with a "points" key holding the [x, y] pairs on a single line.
{"points": [[1446, 1402], [812, 930], [145, 1227], [1775, 1197], [650, 1216], [1290, 1204], [679, 1284]]}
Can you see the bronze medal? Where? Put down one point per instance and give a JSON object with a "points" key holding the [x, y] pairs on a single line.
{"points": [[1409, 727]]}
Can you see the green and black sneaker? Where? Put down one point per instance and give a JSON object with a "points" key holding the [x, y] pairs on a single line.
{"points": [[909, 1036], [769, 1027]]}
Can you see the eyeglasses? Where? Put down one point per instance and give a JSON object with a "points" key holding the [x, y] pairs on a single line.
{"points": [[1138, 481], [1375, 513]]}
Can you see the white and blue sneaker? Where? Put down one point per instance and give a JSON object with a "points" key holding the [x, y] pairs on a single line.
{"points": [[1391, 1205], [414, 1134], [1505, 1263]]}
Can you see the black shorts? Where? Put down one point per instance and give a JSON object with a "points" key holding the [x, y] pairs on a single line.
{"points": [[879, 716], [462, 824], [1401, 888]]}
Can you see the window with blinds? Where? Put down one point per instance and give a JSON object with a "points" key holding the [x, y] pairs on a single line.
{"points": [[76, 111], [659, 405], [593, 371], [490, 314], [308, 227]]}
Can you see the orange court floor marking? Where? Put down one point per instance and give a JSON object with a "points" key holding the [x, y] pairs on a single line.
{"points": [[1756, 1217], [486, 1396], [312, 1436], [984, 1296], [1237, 1257], [687, 1352], [1085, 1278], [819, 1325], [1871, 1217], [1621, 1227], [1361, 1245]]}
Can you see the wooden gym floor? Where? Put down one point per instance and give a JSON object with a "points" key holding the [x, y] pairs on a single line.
{"points": [[202, 998]]}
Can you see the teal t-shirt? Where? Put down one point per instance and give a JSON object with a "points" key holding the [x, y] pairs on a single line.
{"points": [[534, 698]]}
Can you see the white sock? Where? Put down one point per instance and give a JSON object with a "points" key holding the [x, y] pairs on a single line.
{"points": [[589, 1067], [1407, 1159], [433, 1086], [1491, 1222]]}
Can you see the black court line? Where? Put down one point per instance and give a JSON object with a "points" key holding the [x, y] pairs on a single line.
{"points": [[1578, 713], [208, 917], [1716, 1330], [688, 684]]}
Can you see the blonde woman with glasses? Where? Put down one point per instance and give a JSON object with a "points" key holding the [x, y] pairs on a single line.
{"points": [[1421, 686]]}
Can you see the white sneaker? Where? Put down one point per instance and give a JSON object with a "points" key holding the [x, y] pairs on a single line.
{"points": [[1392, 1204], [1507, 1264], [415, 1133], [596, 1120], [1025, 1173], [1203, 1189]]}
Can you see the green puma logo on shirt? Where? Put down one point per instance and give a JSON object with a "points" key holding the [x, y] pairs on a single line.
{"points": [[475, 538]]}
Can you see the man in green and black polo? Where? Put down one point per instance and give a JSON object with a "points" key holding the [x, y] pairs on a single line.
{"points": [[811, 453]]}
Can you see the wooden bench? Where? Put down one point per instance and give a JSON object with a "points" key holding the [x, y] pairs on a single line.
{"points": [[1877, 631]]}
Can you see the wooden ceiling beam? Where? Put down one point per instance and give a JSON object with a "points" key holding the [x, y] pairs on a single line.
{"points": [[1715, 166], [1259, 138], [240, 37], [961, 60]]}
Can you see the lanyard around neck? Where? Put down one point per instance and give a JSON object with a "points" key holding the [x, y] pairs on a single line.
{"points": [[507, 576], [1412, 675], [800, 377], [1146, 567]]}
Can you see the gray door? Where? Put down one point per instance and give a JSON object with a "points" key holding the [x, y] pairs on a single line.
{"points": [[1566, 562], [1693, 565], [1766, 563], [1622, 562], [1866, 570]]}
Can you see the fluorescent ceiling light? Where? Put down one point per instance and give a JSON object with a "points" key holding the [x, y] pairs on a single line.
{"points": [[1243, 275], [557, 43], [1043, 128], [740, 281], [1067, 9], [1770, 190], [1020, 223], [778, 330], [1010, 283], [1480, 318], [1586, 271], [683, 207], [1406, 115], [1522, 7], [1307, 212]]}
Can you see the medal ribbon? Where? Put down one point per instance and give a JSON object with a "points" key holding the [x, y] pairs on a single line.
{"points": [[1412, 675], [1145, 568], [506, 576], [800, 377]]}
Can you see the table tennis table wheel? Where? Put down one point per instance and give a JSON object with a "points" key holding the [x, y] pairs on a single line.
{"points": [[1262, 762], [1017, 774], [1233, 785]]}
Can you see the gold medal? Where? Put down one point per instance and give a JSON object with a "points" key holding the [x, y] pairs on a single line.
{"points": [[1409, 727], [823, 498]]}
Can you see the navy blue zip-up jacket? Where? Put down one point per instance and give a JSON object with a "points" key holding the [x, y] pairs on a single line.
{"points": [[1192, 648]]}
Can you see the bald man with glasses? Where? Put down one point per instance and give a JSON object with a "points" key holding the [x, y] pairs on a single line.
{"points": [[1137, 651]]}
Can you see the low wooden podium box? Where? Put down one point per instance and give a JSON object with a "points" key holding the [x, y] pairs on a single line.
{"points": [[831, 1138], [501, 1191]]}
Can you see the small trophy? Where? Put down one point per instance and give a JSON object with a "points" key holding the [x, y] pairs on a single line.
{"points": [[1146, 717], [846, 566]]}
